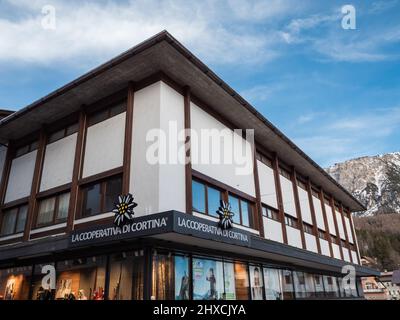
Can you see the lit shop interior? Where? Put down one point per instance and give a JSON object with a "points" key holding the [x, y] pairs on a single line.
{"points": [[160, 274]]}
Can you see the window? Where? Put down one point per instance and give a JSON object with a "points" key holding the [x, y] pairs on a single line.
{"points": [[321, 234], [53, 210], [67, 131], [26, 149], [81, 279], [198, 197], [107, 113], [242, 209], [264, 159], [256, 283], [14, 220], [291, 222], [273, 284], [100, 197], [181, 269], [285, 173], [206, 199], [162, 286], [208, 279], [331, 287], [213, 201], [270, 213], [288, 288], [241, 281], [308, 228]]}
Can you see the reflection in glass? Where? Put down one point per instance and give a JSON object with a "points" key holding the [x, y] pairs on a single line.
{"points": [[214, 197], [288, 289], [241, 281], [199, 197], [181, 278], [256, 283], [273, 284], [208, 279], [163, 286], [234, 202]]}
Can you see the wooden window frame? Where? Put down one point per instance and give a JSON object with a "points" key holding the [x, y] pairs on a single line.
{"points": [[103, 182], [65, 132], [225, 196], [108, 112], [292, 222], [18, 207], [32, 146], [55, 210], [276, 212], [308, 228]]}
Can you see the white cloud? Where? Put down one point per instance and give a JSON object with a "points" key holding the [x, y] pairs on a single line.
{"points": [[99, 30]]}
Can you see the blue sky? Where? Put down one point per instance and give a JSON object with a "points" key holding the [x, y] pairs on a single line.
{"points": [[334, 92]]}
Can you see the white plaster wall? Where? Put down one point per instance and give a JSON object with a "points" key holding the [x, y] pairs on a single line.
{"points": [[272, 230], [354, 256], [58, 163], [336, 251], [325, 247], [223, 172], [144, 180], [348, 228], [318, 213], [104, 145], [294, 237], [331, 222], [311, 242], [305, 205], [340, 225], [172, 187], [267, 185], [156, 186], [346, 255], [3, 154], [288, 197], [21, 175]]}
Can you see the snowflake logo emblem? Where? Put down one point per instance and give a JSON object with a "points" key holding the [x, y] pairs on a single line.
{"points": [[124, 210], [225, 215]]}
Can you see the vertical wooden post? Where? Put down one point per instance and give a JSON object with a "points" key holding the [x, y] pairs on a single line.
{"points": [[258, 214], [275, 164], [324, 213], [298, 208], [188, 161], [332, 202], [128, 139], [79, 150], [35, 183], [313, 215]]}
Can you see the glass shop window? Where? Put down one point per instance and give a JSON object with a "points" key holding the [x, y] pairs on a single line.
{"points": [[208, 279], [273, 284], [331, 287], [15, 283], [81, 279], [162, 287], [256, 283], [288, 289], [310, 285], [229, 281], [53, 210], [126, 276], [38, 291], [241, 281], [100, 197], [299, 285], [182, 280], [319, 286], [14, 220]]}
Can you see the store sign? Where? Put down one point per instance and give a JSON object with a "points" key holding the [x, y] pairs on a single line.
{"points": [[167, 222]]}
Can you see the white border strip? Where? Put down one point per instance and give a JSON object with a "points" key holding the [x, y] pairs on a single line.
{"points": [[49, 228], [93, 218], [13, 236]]}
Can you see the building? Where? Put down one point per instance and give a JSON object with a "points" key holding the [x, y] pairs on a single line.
{"points": [[374, 289], [392, 286], [71, 154]]}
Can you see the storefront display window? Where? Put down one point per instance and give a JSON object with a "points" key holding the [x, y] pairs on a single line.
{"points": [[288, 289], [299, 284], [256, 283], [229, 281], [81, 279], [38, 291], [319, 286], [163, 285], [241, 281], [273, 284], [15, 283], [182, 278], [208, 279], [123, 282], [310, 285], [331, 286]]}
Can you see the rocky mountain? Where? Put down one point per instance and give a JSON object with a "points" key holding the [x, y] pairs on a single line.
{"points": [[374, 180]]}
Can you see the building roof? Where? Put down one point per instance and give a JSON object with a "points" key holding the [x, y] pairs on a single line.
{"points": [[164, 53], [5, 113]]}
